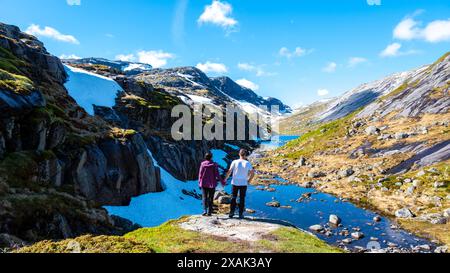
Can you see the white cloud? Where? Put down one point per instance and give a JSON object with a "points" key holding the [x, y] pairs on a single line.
{"points": [[330, 67], [393, 50], [407, 30], [218, 13], [257, 69], [51, 33], [126, 58], [433, 32], [157, 59], [437, 31], [297, 52], [323, 92], [212, 67], [73, 2], [248, 84], [70, 56], [354, 61]]}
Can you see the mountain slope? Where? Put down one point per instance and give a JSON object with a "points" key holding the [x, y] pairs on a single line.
{"points": [[240, 93], [392, 154], [402, 92]]}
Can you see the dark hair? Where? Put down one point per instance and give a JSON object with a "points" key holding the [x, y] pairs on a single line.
{"points": [[208, 156], [243, 153]]}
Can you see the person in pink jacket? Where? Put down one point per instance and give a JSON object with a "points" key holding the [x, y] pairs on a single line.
{"points": [[208, 179]]}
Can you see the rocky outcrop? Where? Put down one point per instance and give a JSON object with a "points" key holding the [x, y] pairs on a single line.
{"points": [[240, 93], [112, 171], [58, 164], [179, 158]]}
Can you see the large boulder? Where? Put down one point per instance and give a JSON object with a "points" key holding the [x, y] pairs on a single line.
{"points": [[404, 213]]}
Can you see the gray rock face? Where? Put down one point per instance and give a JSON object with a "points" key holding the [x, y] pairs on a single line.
{"points": [[113, 172], [12, 104], [416, 96], [179, 157]]}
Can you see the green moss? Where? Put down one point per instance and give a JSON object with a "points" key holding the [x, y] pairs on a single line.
{"points": [[50, 113], [9, 62], [159, 100], [20, 168], [89, 244], [290, 240], [15, 83]]}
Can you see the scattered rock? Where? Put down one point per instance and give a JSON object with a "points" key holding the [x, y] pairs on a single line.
{"points": [[421, 173], [335, 220], [438, 185], [417, 183], [347, 172], [309, 185], [250, 211], [224, 200], [410, 190], [357, 235], [377, 219], [401, 135], [392, 245], [372, 130], [302, 162], [347, 241], [446, 213], [425, 247], [404, 213], [273, 204], [316, 174], [316, 228], [441, 249], [219, 194]]}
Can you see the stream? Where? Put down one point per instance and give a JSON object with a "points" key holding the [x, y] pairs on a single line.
{"points": [[316, 210]]}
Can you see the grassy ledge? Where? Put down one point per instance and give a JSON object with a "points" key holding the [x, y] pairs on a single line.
{"points": [[171, 238]]}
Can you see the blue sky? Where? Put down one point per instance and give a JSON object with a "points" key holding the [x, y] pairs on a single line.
{"points": [[297, 50]]}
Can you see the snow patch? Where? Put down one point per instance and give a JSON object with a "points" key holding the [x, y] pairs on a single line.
{"points": [[90, 89], [199, 99], [154, 209]]}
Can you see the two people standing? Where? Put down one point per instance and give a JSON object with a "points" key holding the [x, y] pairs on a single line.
{"points": [[242, 174]]}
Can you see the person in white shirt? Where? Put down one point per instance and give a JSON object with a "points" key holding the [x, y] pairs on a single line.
{"points": [[243, 174]]}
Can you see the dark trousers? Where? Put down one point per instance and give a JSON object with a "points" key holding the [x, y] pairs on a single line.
{"points": [[208, 199], [242, 192]]}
